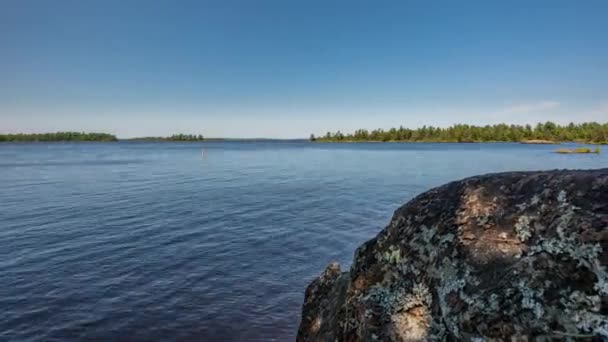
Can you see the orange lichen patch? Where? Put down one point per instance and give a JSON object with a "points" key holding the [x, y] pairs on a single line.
{"points": [[475, 203], [488, 245], [412, 325], [316, 325], [360, 283]]}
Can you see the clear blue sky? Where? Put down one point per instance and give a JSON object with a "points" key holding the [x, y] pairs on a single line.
{"points": [[290, 68]]}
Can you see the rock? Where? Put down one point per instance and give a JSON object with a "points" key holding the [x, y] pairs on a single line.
{"points": [[502, 257]]}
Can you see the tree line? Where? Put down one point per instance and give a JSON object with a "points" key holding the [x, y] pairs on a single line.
{"points": [[590, 132], [58, 136], [174, 137]]}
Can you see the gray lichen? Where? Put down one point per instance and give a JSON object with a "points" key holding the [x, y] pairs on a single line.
{"points": [[583, 307], [522, 228], [399, 299], [393, 255], [531, 299]]}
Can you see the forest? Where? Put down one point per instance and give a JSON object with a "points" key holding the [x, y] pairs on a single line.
{"points": [[174, 137], [590, 132], [58, 136]]}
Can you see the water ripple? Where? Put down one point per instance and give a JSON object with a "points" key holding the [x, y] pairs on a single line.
{"points": [[149, 242]]}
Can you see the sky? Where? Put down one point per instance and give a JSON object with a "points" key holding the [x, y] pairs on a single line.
{"points": [[286, 69]]}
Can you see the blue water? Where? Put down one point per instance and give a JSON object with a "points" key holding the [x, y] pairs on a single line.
{"points": [[152, 242]]}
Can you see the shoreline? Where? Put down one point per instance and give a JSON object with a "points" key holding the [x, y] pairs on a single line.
{"points": [[458, 142], [297, 141]]}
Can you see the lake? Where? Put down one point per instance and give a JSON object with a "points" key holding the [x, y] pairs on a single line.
{"points": [[153, 242]]}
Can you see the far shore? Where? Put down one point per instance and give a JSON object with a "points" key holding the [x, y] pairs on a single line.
{"points": [[254, 140], [457, 142]]}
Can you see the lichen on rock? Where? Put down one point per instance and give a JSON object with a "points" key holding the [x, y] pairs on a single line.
{"points": [[501, 257]]}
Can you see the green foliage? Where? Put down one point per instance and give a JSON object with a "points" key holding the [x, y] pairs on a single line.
{"points": [[58, 136], [591, 132], [174, 137], [185, 137], [597, 150]]}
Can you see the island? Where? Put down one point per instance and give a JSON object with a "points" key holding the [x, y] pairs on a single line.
{"points": [[105, 137], [199, 138], [541, 133], [174, 137], [58, 137], [583, 150]]}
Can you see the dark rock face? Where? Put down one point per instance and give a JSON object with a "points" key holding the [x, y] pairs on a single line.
{"points": [[514, 256]]}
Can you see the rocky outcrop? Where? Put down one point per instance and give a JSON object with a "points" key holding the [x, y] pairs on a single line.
{"points": [[501, 257]]}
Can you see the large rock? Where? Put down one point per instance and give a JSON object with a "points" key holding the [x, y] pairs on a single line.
{"points": [[513, 256]]}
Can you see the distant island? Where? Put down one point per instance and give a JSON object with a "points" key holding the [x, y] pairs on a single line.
{"points": [[57, 137], [548, 132], [105, 137], [195, 138], [174, 137]]}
